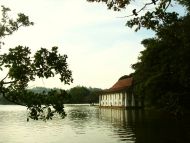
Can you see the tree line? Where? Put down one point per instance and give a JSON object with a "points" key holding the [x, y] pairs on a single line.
{"points": [[75, 95]]}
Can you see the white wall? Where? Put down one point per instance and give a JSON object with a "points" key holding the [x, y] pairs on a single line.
{"points": [[112, 99], [117, 99]]}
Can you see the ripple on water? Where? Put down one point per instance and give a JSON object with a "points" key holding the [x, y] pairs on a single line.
{"points": [[84, 124]]}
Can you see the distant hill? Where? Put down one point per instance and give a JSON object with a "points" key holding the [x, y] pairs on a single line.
{"points": [[40, 89]]}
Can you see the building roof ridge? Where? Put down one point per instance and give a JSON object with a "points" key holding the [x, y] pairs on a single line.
{"points": [[121, 84]]}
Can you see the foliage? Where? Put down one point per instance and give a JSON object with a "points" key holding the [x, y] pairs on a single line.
{"points": [[40, 105], [165, 67], [116, 5], [22, 67], [162, 74], [80, 94], [8, 26], [152, 19]]}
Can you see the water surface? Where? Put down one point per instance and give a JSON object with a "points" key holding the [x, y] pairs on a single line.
{"points": [[89, 124]]}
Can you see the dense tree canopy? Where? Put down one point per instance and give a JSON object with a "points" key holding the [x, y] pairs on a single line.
{"points": [[162, 73], [165, 67], [80, 94], [21, 66]]}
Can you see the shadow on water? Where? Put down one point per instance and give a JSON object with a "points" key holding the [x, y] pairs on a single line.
{"points": [[142, 126]]}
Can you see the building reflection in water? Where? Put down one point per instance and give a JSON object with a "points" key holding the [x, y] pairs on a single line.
{"points": [[122, 120], [141, 126], [119, 115]]}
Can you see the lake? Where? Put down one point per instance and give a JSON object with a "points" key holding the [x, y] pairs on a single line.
{"points": [[91, 124]]}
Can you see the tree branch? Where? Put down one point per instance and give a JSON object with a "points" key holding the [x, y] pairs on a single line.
{"points": [[9, 82], [12, 101], [153, 2], [169, 2], [4, 78]]}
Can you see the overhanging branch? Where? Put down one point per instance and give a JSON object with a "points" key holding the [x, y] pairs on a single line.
{"points": [[4, 78], [135, 13]]}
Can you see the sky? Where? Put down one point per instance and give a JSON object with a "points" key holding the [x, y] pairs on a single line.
{"points": [[100, 48]]}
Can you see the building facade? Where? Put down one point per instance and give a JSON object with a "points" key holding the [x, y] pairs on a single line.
{"points": [[119, 95]]}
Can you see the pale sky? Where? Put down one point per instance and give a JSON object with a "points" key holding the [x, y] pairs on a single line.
{"points": [[99, 46]]}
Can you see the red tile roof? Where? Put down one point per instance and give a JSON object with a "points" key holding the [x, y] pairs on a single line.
{"points": [[121, 85]]}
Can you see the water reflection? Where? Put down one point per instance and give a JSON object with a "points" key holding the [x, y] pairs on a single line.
{"points": [[146, 126], [85, 124], [161, 128], [81, 117], [122, 122]]}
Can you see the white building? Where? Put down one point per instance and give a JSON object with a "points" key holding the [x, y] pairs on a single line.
{"points": [[119, 95]]}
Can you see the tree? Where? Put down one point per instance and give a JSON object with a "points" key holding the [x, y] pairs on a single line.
{"points": [[79, 94], [161, 75], [94, 95], [152, 19], [165, 68], [22, 67]]}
